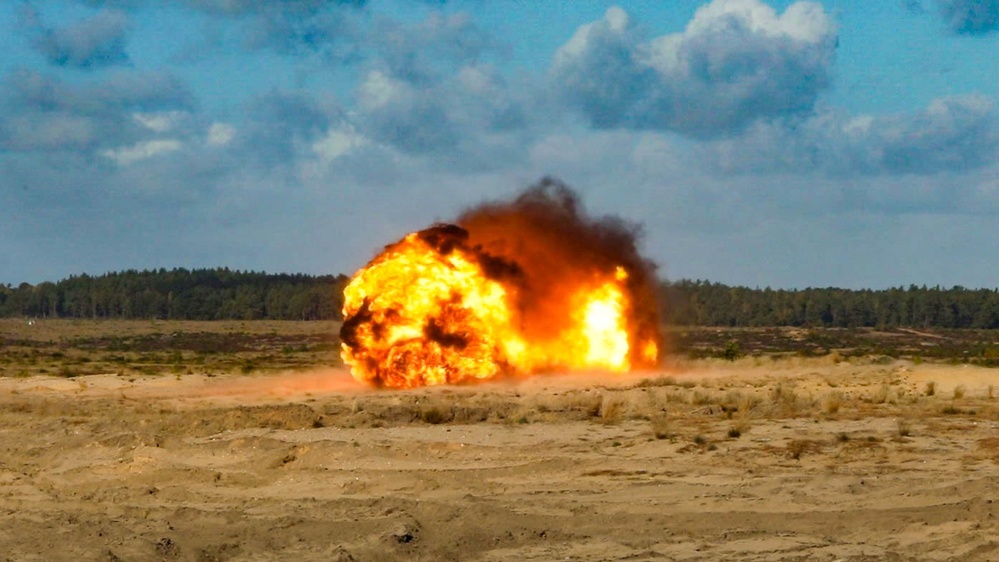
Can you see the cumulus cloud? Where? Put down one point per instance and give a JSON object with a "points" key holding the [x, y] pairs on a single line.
{"points": [[292, 27], [94, 42], [279, 129], [954, 134], [42, 113], [324, 28], [422, 53], [220, 134], [337, 143], [142, 150], [240, 7], [971, 17], [737, 61], [402, 115], [428, 91]]}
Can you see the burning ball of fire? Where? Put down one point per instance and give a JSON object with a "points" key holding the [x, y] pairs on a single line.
{"points": [[516, 287]]}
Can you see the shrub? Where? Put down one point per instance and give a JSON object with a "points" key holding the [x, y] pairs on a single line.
{"points": [[732, 351], [611, 410], [798, 447], [658, 381], [434, 415], [700, 398], [832, 402], [880, 395], [662, 428]]}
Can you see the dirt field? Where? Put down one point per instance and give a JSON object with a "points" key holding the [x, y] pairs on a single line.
{"points": [[757, 459]]}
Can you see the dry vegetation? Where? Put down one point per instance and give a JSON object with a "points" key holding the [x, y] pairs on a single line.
{"points": [[69, 348], [793, 458]]}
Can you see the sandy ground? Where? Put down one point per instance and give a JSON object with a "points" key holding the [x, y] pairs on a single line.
{"points": [[743, 461]]}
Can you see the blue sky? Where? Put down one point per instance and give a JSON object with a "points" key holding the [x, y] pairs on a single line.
{"points": [[783, 144]]}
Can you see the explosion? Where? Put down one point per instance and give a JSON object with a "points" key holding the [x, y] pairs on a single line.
{"points": [[512, 288]]}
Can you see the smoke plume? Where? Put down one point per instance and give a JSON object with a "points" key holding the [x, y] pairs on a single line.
{"points": [[552, 240]]}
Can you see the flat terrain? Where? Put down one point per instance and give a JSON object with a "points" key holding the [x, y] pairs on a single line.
{"points": [[762, 458]]}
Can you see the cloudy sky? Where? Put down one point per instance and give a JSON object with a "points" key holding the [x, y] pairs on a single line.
{"points": [[786, 144]]}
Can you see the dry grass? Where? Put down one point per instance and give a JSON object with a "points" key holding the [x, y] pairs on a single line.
{"points": [[662, 427], [881, 395], [797, 448], [739, 402], [71, 348], [832, 402], [701, 398], [786, 402], [612, 409], [657, 381]]}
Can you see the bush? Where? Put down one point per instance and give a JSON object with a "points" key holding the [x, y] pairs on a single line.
{"points": [[661, 426], [732, 351], [434, 415]]}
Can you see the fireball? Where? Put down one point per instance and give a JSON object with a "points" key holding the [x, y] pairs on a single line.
{"points": [[505, 293]]}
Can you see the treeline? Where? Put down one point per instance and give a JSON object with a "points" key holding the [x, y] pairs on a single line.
{"points": [[700, 303], [221, 294], [180, 294]]}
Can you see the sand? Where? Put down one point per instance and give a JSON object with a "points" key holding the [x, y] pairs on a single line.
{"points": [[752, 460]]}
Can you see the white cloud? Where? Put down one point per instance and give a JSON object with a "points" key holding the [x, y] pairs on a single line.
{"points": [[142, 150], [160, 122], [803, 21], [95, 42], [953, 134], [220, 134], [337, 143], [737, 61], [378, 90]]}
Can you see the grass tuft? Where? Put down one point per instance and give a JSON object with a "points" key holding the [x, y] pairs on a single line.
{"points": [[611, 410], [662, 428], [832, 402]]}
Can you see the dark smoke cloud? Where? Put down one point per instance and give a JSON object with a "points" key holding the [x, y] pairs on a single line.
{"points": [[552, 240]]}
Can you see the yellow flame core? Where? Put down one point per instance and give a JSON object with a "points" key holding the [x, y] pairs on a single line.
{"points": [[422, 317], [604, 329]]}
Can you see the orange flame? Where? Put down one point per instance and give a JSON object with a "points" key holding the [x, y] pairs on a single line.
{"points": [[434, 308]]}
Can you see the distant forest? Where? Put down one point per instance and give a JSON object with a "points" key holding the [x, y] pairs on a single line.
{"points": [[700, 303], [224, 294], [180, 294]]}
